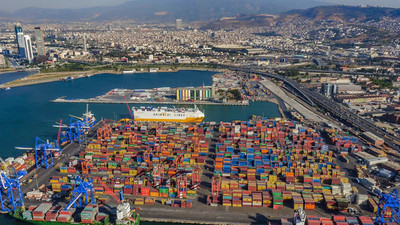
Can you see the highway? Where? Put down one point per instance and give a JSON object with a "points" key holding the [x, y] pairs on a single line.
{"points": [[334, 108]]}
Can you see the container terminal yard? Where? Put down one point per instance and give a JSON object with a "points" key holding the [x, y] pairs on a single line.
{"points": [[258, 171]]}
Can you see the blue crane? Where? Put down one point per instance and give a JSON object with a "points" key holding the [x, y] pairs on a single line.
{"points": [[12, 189], [43, 152], [81, 188], [76, 130], [388, 201]]}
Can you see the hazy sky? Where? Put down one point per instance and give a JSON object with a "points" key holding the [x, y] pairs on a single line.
{"points": [[387, 3], [12, 5]]}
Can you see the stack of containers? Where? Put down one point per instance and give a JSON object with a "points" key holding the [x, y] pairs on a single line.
{"points": [[103, 217], [351, 220], [364, 220], [339, 220], [330, 202], [65, 215], [270, 152], [27, 214], [227, 198], [139, 201], [237, 198], [40, 212], [277, 199], [89, 213], [257, 199], [122, 153], [247, 199], [309, 203], [313, 220], [325, 221], [298, 201], [346, 187], [52, 214], [149, 201], [267, 199]]}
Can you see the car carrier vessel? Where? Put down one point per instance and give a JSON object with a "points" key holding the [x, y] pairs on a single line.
{"points": [[166, 114]]}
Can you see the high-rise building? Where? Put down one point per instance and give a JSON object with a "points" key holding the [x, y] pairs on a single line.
{"points": [[329, 89], [84, 43], [19, 36], [179, 25], [41, 50], [28, 48]]}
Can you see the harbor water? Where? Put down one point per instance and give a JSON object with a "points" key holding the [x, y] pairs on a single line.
{"points": [[7, 77], [26, 112]]}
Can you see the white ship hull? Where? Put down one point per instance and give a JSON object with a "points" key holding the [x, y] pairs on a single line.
{"points": [[165, 114]]}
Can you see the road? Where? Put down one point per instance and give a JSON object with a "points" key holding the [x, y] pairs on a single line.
{"points": [[290, 101], [340, 111]]}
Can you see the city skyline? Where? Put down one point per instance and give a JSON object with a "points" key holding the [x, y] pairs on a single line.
{"points": [[76, 4]]}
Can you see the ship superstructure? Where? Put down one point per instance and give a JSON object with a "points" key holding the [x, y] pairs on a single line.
{"points": [[166, 114]]}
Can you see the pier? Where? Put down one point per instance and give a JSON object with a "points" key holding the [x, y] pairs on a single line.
{"points": [[105, 101]]}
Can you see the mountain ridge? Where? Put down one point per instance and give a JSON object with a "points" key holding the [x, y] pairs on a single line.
{"points": [[337, 12], [165, 10]]}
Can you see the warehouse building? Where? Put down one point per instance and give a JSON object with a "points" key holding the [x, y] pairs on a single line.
{"points": [[195, 94], [369, 159], [375, 140], [391, 166]]}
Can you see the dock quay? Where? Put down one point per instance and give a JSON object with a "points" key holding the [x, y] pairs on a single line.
{"points": [[207, 173], [104, 101]]}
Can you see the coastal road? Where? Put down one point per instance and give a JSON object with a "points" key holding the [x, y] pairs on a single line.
{"points": [[338, 110], [290, 101]]}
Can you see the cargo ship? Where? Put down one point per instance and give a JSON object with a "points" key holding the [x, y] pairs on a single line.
{"points": [[165, 114]]}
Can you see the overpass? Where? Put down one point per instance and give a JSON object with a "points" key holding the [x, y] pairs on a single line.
{"points": [[298, 88], [314, 98]]}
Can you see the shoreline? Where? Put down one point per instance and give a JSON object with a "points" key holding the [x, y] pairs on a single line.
{"points": [[40, 78]]}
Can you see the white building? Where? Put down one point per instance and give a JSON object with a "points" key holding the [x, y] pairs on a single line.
{"points": [[179, 24], [28, 48]]}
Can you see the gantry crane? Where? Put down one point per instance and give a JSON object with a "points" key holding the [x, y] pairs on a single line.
{"points": [[12, 189], [196, 177], [43, 152], [181, 185], [76, 130], [132, 139], [81, 188], [108, 191], [158, 175], [104, 132], [388, 201], [216, 186], [85, 165]]}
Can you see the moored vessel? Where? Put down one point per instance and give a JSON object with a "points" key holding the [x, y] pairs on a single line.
{"points": [[166, 114]]}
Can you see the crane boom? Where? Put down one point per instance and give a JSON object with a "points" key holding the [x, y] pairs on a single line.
{"points": [[130, 111], [108, 190], [59, 134], [73, 201]]}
